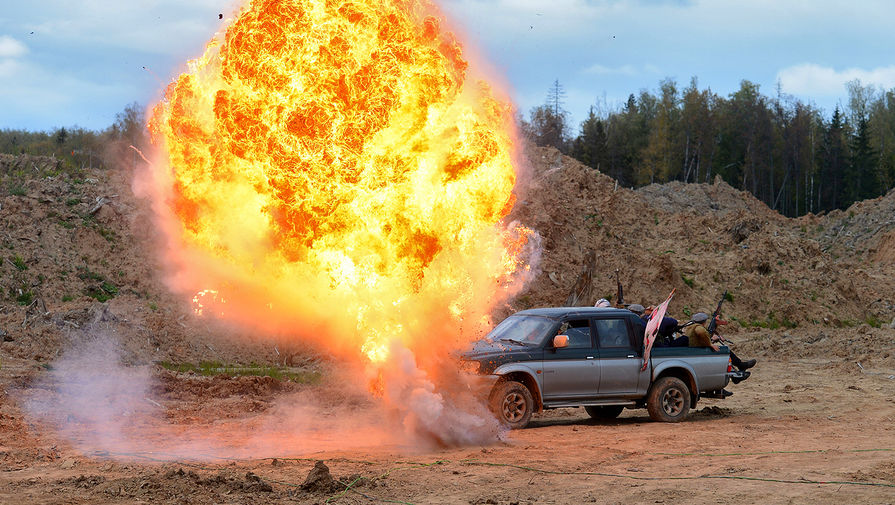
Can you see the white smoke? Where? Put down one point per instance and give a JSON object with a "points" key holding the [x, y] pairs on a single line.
{"points": [[106, 408], [89, 397], [449, 415]]}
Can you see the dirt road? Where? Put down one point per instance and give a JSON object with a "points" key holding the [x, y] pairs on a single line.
{"points": [[796, 432]]}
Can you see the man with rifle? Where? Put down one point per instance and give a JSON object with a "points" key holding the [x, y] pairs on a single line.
{"points": [[701, 335]]}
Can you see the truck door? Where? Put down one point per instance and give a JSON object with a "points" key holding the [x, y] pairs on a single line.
{"points": [[620, 359], [571, 372]]}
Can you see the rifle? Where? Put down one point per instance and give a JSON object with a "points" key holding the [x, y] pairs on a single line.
{"points": [[621, 293], [714, 322]]}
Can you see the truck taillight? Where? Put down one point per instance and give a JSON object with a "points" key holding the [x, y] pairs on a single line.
{"points": [[729, 366]]}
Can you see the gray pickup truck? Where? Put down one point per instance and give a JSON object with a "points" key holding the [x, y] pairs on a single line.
{"points": [[591, 357]]}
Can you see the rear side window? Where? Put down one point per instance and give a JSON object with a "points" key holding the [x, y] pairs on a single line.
{"points": [[612, 333], [578, 331]]}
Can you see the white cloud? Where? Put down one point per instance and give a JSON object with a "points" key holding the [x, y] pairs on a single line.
{"points": [[151, 26], [11, 48], [817, 80], [9, 69]]}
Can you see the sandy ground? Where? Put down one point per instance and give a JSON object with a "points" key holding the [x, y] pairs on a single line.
{"points": [[798, 431]]}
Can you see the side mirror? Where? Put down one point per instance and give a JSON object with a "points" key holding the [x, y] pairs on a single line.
{"points": [[560, 341]]}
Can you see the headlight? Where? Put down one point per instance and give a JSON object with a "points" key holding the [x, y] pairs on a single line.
{"points": [[471, 367]]}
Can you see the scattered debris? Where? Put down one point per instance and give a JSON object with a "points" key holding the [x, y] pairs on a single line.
{"points": [[319, 479]]}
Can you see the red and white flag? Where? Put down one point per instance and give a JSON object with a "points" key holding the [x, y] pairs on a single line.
{"points": [[652, 328]]}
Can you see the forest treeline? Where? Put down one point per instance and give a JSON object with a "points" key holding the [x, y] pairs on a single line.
{"points": [[80, 148], [782, 150]]}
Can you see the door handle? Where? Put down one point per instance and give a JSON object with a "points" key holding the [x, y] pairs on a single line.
{"points": [[590, 357], [632, 356]]}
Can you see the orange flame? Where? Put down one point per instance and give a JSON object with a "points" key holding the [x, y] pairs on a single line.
{"points": [[328, 168]]}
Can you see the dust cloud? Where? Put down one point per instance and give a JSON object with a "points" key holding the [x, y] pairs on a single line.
{"points": [[105, 408]]}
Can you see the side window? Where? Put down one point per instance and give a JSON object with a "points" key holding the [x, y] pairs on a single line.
{"points": [[613, 333], [578, 331], [639, 328]]}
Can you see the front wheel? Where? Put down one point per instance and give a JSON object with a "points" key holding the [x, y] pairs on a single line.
{"points": [[511, 402], [668, 400]]}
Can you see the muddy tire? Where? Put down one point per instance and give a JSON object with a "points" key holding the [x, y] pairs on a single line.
{"points": [[668, 400], [604, 413], [512, 403]]}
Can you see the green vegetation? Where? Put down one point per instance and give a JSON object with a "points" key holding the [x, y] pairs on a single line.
{"points": [[76, 148], [771, 323], [211, 368], [728, 296], [103, 290], [67, 298], [106, 233], [153, 306], [873, 322], [102, 293], [784, 151], [25, 298], [19, 263], [687, 280]]}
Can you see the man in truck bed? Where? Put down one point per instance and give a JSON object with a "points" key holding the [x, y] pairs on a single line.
{"points": [[699, 336]]}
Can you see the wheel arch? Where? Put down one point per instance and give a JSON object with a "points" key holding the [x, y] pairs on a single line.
{"points": [[683, 373], [527, 379]]}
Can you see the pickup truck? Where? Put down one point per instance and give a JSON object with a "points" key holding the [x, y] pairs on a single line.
{"points": [[591, 357]]}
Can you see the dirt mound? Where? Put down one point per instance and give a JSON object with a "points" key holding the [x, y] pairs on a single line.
{"points": [[700, 240], [78, 253], [865, 228], [719, 198]]}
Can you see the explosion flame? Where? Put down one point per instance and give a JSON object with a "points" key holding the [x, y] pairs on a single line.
{"points": [[329, 170]]}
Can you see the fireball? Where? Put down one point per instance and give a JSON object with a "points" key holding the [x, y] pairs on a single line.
{"points": [[331, 171]]}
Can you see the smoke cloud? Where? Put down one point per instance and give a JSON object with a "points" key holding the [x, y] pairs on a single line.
{"points": [[106, 408]]}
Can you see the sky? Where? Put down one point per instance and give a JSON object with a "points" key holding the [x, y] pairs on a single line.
{"points": [[65, 63]]}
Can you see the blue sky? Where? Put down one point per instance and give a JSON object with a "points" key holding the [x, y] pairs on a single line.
{"points": [[66, 63]]}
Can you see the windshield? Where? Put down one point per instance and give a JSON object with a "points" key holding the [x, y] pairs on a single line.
{"points": [[524, 329]]}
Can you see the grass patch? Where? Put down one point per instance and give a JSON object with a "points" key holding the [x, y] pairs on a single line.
{"points": [[17, 190], [212, 368], [873, 322], [67, 298], [25, 298], [71, 202], [106, 233], [687, 280], [771, 323], [19, 263], [85, 274], [728, 296], [102, 292]]}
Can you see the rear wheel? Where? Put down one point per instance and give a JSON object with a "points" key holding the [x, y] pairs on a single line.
{"points": [[512, 403], [605, 413], [668, 400]]}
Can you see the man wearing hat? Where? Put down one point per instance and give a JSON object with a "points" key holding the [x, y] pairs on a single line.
{"points": [[698, 336], [666, 328]]}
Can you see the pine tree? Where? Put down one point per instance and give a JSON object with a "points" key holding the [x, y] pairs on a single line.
{"points": [[863, 181]]}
